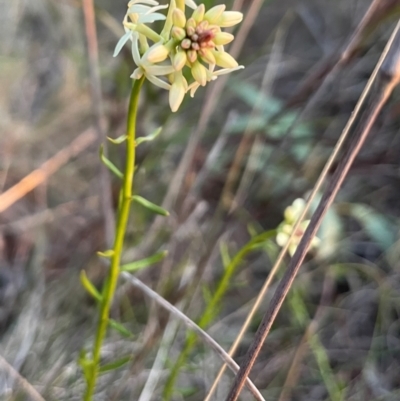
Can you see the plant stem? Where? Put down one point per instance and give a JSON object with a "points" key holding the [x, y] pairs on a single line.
{"points": [[213, 306], [123, 215]]}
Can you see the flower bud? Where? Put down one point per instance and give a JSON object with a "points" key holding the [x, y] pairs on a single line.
{"points": [[179, 60], [207, 56], [195, 46], [186, 44], [213, 14], [293, 212], [178, 33], [230, 18], [178, 18], [190, 31], [223, 38], [157, 53], [199, 73], [192, 56], [224, 60], [203, 25], [177, 91], [198, 14], [191, 23]]}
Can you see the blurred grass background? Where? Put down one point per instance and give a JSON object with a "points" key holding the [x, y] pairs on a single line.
{"points": [[337, 336]]}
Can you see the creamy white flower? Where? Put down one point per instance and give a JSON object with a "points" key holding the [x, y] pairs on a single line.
{"points": [[196, 43], [212, 76], [139, 12], [144, 67], [178, 89]]}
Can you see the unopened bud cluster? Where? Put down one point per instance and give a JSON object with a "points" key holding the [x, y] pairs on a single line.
{"points": [[196, 42], [291, 215]]}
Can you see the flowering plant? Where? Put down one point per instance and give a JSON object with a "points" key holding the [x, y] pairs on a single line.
{"points": [[187, 49], [195, 44]]}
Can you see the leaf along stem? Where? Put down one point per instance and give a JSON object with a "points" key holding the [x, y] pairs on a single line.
{"points": [[123, 215]]}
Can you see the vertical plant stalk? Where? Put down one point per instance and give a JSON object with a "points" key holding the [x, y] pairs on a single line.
{"points": [[122, 221], [390, 74]]}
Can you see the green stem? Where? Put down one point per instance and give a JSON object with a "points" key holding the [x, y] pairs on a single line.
{"points": [[212, 308], [123, 215]]}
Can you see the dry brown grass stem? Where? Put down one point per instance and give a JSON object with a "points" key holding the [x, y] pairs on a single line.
{"points": [[21, 381], [192, 326], [391, 77], [41, 175], [98, 117], [314, 192], [378, 11]]}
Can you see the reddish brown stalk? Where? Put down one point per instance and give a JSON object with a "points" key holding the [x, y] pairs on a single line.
{"points": [[377, 12], [390, 78]]}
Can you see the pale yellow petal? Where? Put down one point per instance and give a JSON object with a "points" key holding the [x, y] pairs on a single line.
{"points": [[199, 73], [214, 14]]}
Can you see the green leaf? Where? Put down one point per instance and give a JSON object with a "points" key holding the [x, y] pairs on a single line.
{"points": [[114, 365], [149, 205], [260, 239], [251, 95], [120, 328], [378, 227], [206, 294], [251, 230], [106, 254], [118, 140], [150, 137], [226, 259], [90, 288], [86, 364], [187, 391], [140, 264], [109, 164]]}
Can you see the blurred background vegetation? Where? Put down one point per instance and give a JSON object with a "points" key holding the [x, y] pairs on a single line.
{"points": [[225, 166]]}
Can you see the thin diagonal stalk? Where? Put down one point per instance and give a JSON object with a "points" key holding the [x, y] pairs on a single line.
{"points": [[212, 307], [390, 80], [193, 326], [123, 215], [310, 199]]}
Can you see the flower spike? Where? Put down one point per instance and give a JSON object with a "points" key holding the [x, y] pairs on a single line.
{"points": [[195, 42]]}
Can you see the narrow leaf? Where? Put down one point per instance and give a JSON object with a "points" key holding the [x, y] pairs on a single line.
{"points": [[226, 259], [149, 205], [380, 228], [206, 294], [150, 137], [140, 264], [114, 365], [118, 140], [106, 254], [109, 164], [120, 328], [86, 364], [90, 288]]}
